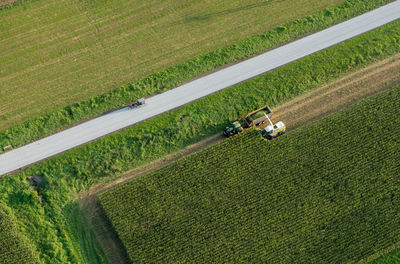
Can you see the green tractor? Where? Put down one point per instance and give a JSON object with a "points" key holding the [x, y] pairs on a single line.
{"points": [[233, 129], [255, 118]]}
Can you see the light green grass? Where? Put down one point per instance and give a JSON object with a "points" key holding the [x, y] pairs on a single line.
{"points": [[55, 53], [325, 193]]}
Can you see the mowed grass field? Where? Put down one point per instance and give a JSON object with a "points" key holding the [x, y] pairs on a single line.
{"points": [[54, 53], [324, 193]]}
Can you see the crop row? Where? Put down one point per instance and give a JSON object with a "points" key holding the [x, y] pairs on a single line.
{"points": [[325, 193], [159, 82]]}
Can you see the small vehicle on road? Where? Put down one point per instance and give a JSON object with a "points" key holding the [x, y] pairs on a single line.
{"points": [[139, 102]]}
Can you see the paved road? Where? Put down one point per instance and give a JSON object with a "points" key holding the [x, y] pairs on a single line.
{"points": [[201, 87]]}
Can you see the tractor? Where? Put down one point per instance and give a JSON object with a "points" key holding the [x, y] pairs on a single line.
{"points": [[233, 129]]}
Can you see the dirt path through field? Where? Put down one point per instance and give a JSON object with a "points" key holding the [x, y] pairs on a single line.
{"points": [[339, 94], [295, 113]]}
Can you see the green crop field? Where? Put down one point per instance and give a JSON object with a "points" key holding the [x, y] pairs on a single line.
{"points": [[14, 246], [55, 53], [325, 193]]}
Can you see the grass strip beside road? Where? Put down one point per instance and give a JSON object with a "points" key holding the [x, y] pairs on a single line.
{"points": [[50, 123], [324, 193], [48, 219]]}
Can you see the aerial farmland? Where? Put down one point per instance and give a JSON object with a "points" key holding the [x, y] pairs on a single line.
{"points": [[200, 131]]}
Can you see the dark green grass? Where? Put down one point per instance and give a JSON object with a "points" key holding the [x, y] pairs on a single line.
{"points": [[390, 258], [325, 193], [159, 82], [49, 222]]}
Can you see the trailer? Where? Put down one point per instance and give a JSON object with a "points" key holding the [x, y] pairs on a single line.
{"points": [[255, 118]]}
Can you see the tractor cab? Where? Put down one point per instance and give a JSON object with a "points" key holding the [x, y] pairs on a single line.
{"points": [[233, 129]]}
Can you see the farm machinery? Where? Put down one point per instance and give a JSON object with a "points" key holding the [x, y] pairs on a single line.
{"points": [[257, 118], [233, 129], [272, 131]]}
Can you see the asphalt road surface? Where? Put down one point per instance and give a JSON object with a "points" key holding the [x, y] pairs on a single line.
{"points": [[113, 121]]}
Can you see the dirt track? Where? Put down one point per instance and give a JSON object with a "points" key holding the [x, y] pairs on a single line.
{"points": [[298, 112], [339, 94]]}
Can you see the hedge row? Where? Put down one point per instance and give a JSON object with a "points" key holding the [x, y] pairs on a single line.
{"points": [[160, 82]]}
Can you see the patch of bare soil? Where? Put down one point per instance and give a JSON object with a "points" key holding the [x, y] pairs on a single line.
{"points": [[4, 3], [340, 93], [298, 112], [105, 234]]}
